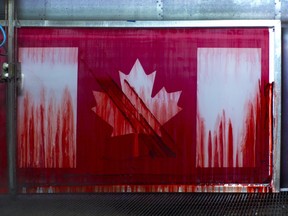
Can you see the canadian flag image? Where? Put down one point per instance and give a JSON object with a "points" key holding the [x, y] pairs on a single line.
{"points": [[145, 106]]}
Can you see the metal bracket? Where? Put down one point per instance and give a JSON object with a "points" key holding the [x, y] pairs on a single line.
{"points": [[5, 76]]}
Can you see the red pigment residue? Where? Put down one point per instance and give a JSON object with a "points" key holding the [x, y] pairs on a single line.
{"points": [[47, 132], [149, 188], [125, 117], [220, 151], [49, 54], [230, 145], [248, 147]]}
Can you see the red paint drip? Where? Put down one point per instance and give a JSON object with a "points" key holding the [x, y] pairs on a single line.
{"points": [[46, 140], [230, 144], [31, 133], [216, 153], [249, 142], [210, 148], [42, 126], [221, 142], [68, 130], [202, 140], [221, 151], [57, 160]]}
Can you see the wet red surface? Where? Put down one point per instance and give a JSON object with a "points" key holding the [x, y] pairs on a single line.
{"points": [[39, 144], [116, 162]]}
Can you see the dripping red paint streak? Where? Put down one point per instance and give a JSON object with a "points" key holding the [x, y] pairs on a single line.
{"points": [[230, 145], [220, 147], [68, 130], [221, 142], [248, 148], [216, 151], [40, 145], [210, 148], [202, 140], [42, 127], [31, 133], [58, 158]]}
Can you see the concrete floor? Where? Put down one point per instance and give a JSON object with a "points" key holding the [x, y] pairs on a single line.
{"points": [[144, 204]]}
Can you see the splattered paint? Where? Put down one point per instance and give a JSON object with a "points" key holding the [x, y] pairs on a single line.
{"points": [[227, 103], [153, 139], [47, 108]]}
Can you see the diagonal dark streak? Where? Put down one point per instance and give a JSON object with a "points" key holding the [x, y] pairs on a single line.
{"points": [[140, 125], [149, 115], [138, 122]]}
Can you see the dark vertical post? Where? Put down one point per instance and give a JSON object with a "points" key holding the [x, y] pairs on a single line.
{"points": [[11, 101]]}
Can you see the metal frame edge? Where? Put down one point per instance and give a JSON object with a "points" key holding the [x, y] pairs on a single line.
{"points": [[276, 61], [277, 107], [150, 24]]}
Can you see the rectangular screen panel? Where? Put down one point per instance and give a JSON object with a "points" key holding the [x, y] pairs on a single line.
{"points": [[146, 109]]}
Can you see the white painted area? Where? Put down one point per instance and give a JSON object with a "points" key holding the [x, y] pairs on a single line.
{"points": [[163, 105], [51, 68], [227, 79], [140, 81], [49, 73]]}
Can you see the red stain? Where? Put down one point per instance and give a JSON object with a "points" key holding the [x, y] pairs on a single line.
{"points": [[68, 130], [58, 159], [42, 126], [202, 141], [216, 151], [230, 145], [221, 142], [239, 188], [31, 134], [46, 140], [256, 129], [248, 147], [210, 148]]}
